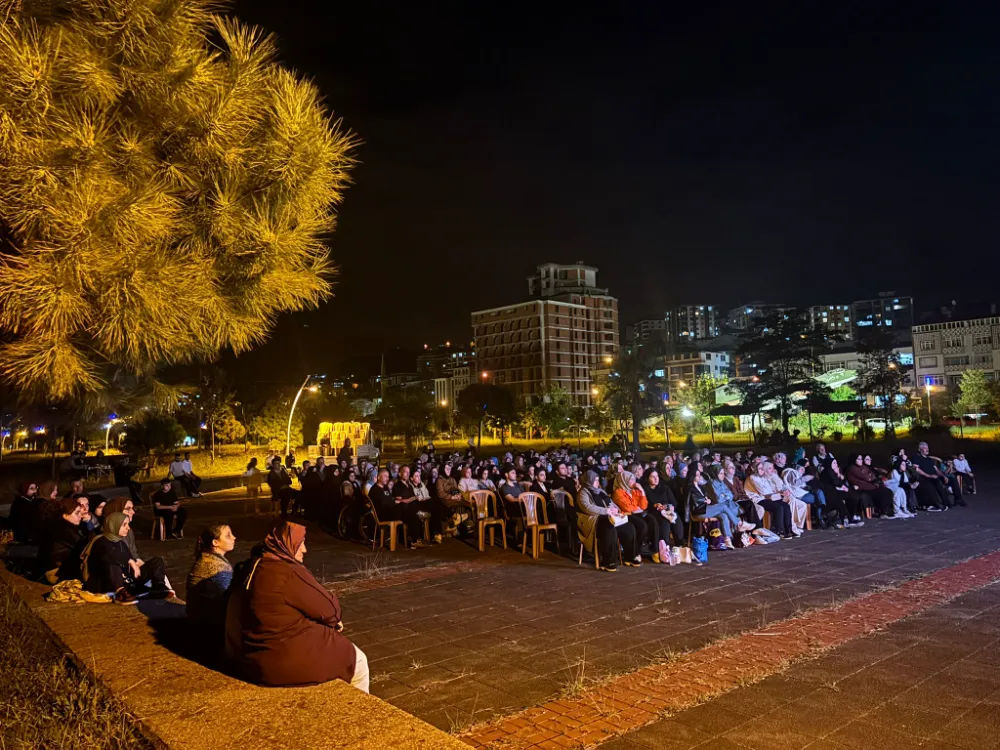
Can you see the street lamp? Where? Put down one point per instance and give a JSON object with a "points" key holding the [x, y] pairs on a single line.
{"points": [[304, 387], [930, 413], [113, 420], [484, 375]]}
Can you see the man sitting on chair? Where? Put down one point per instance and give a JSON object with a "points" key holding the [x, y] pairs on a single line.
{"points": [[167, 505]]}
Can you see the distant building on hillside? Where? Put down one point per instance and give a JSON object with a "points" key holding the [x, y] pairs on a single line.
{"points": [[834, 319], [945, 349]]}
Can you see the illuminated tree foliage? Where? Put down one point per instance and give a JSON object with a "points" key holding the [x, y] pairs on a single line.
{"points": [[166, 190]]}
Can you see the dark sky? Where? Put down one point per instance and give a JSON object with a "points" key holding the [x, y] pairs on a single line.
{"points": [[715, 153]]}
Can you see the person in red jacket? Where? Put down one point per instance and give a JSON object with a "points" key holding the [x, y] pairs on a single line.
{"points": [[282, 627]]}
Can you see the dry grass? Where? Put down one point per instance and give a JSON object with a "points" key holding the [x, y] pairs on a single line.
{"points": [[45, 702]]}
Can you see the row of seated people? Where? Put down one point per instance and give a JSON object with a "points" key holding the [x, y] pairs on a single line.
{"points": [[639, 500]]}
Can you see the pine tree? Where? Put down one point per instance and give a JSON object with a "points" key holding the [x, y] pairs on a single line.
{"points": [[166, 190]]}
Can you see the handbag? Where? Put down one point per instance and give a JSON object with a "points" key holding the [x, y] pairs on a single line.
{"points": [[699, 548]]}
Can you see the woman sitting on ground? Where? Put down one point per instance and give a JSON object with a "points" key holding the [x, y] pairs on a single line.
{"points": [[662, 519], [632, 502], [210, 577], [110, 566], [65, 540], [283, 628], [602, 525], [126, 506]]}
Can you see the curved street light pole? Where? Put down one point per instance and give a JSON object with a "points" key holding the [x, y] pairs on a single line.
{"points": [[288, 434]]}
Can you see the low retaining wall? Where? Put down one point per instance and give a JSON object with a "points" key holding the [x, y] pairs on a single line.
{"points": [[182, 704]]}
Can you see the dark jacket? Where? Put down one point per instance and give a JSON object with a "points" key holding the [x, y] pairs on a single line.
{"points": [[280, 629], [23, 513], [107, 566], [278, 479], [862, 477], [64, 543], [660, 495]]}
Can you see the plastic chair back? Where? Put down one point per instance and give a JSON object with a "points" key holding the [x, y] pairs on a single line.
{"points": [[530, 503], [481, 500]]}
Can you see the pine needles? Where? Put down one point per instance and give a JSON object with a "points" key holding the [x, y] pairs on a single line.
{"points": [[166, 189]]}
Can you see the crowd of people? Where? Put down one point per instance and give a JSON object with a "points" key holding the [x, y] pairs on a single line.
{"points": [[278, 626], [625, 508]]}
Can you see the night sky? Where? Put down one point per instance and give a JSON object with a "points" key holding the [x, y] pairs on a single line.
{"points": [[715, 153]]}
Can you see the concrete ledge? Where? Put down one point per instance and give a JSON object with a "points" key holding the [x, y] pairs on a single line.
{"points": [[208, 484], [182, 704]]}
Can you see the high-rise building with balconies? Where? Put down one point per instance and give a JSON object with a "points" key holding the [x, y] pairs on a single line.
{"points": [[557, 339]]}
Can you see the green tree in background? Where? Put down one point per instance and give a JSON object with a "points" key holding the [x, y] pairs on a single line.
{"points": [[167, 190], [482, 402], [154, 432], [881, 374], [786, 349], [553, 410], [700, 398], [270, 425], [406, 412], [975, 392], [634, 390]]}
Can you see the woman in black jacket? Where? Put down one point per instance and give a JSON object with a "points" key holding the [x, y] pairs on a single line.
{"points": [[111, 567], [662, 529], [23, 512], [65, 539]]}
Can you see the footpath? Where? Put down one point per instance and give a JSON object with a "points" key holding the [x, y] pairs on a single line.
{"points": [[138, 654]]}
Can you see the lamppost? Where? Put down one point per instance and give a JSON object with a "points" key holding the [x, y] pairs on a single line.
{"points": [[666, 419], [930, 412], [113, 419], [451, 422], [291, 413]]}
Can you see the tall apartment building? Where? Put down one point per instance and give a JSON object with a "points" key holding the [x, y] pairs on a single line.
{"points": [[556, 339], [741, 319], [888, 311], [682, 369], [832, 319], [944, 350], [690, 322], [450, 384], [647, 329]]}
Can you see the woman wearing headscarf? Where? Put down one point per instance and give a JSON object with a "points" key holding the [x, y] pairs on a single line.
{"points": [[631, 500], [282, 627], [602, 525], [110, 567]]}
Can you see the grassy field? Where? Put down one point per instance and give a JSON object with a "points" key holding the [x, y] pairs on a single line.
{"points": [[44, 700]]}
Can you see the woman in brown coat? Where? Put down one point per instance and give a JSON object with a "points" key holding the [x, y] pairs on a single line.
{"points": [[282, 627]]}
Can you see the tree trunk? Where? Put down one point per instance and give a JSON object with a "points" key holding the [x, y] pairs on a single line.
{"points": [[479, 442], [635, 432], [711, 426], [212, 427]]}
